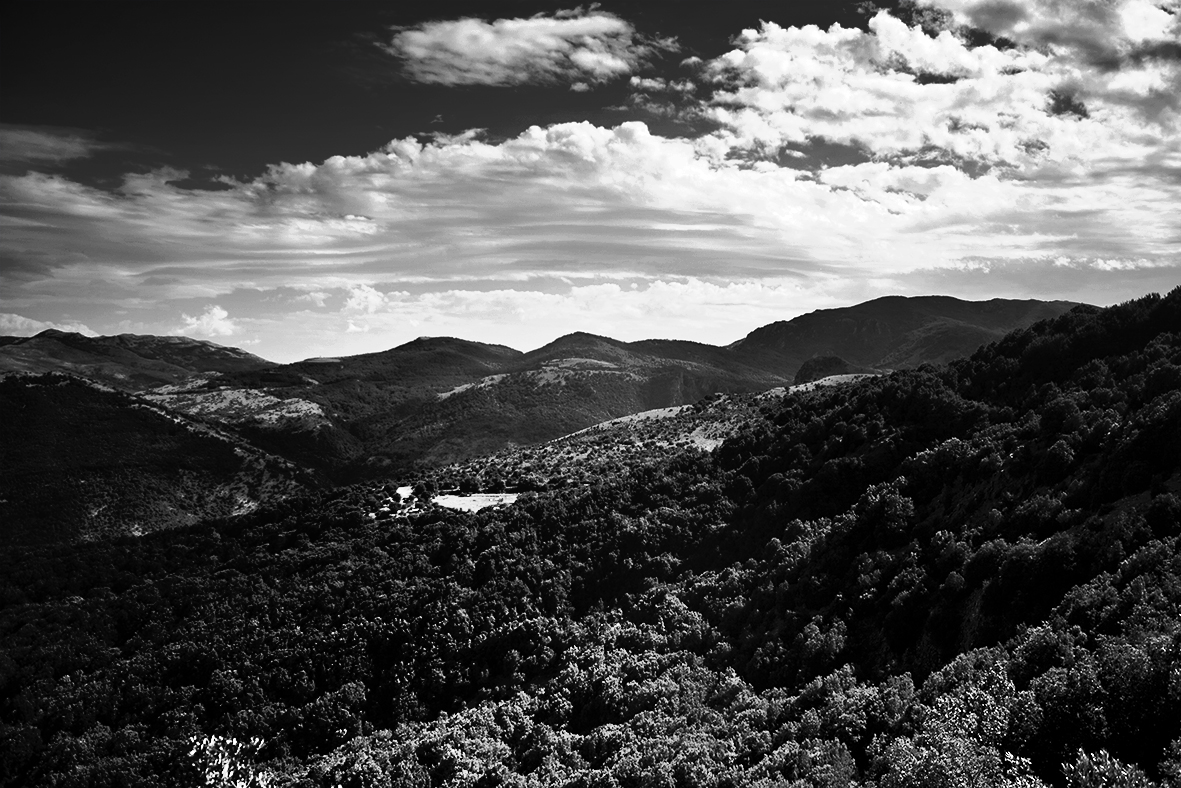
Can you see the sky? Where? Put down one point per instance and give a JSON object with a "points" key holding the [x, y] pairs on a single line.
{"points": [[305, 179]]}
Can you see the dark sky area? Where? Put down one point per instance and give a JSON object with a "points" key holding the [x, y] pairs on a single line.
{"points": [[216, 87]]}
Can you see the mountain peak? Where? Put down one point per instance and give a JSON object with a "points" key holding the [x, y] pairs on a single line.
{"points": [[451, 344], [894, 331], [583, 335], [580, 339], [131, 362], [427, 341], [582, 345]]}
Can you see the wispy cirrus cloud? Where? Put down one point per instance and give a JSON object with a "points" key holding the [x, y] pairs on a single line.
{"points": [[574, 47], [572, 202], [22, 144]]}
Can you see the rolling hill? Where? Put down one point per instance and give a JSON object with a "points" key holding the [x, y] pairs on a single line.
{"points": [[442, 399], [438, 400], [895, 332], [129, 362]]}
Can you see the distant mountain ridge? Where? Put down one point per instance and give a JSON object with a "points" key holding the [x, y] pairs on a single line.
{"points": [[129, 362], [896, 332], [442, 399]]}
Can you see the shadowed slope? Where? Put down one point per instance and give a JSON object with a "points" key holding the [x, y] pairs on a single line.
{"points": [[83, 461], [894, 331]]}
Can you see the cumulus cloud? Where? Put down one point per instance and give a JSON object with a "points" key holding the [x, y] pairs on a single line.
{"points": [[1126, 52], [577, 47], [904, 95], [1037, 146], [659, 85], [1102, 30], [12, 325], [364, 300], [892, 90], [317, 297], [213, 322]]}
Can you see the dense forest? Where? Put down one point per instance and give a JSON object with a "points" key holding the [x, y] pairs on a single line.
{"points": [[965, 575], [81, 460]]}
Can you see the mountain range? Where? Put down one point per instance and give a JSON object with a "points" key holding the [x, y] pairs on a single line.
{"points": [[130, 362], [965, 574], [439, 400]]}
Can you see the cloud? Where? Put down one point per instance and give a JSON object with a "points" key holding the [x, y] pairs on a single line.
{"points": [[572, 200], [566, 198], [12, 325], [892, 90], [32, 144], [317, 297], [659, 85], [364, 300], [45, 144], [577, 47], [1084, 279], [1102, 30], [1123, 54], [905, 95], [1041, 127], [844, 163], [213, 322]]}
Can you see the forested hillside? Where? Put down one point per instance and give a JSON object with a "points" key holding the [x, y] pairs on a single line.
{"points": [[950, 576], [84, 461], [438, 400], [895, 332]]}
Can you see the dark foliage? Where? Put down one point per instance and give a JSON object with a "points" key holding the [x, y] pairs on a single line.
{"points": [[81, 461]]}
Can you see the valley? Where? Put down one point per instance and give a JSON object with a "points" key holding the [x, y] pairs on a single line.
{"points": [[435, 401]]}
